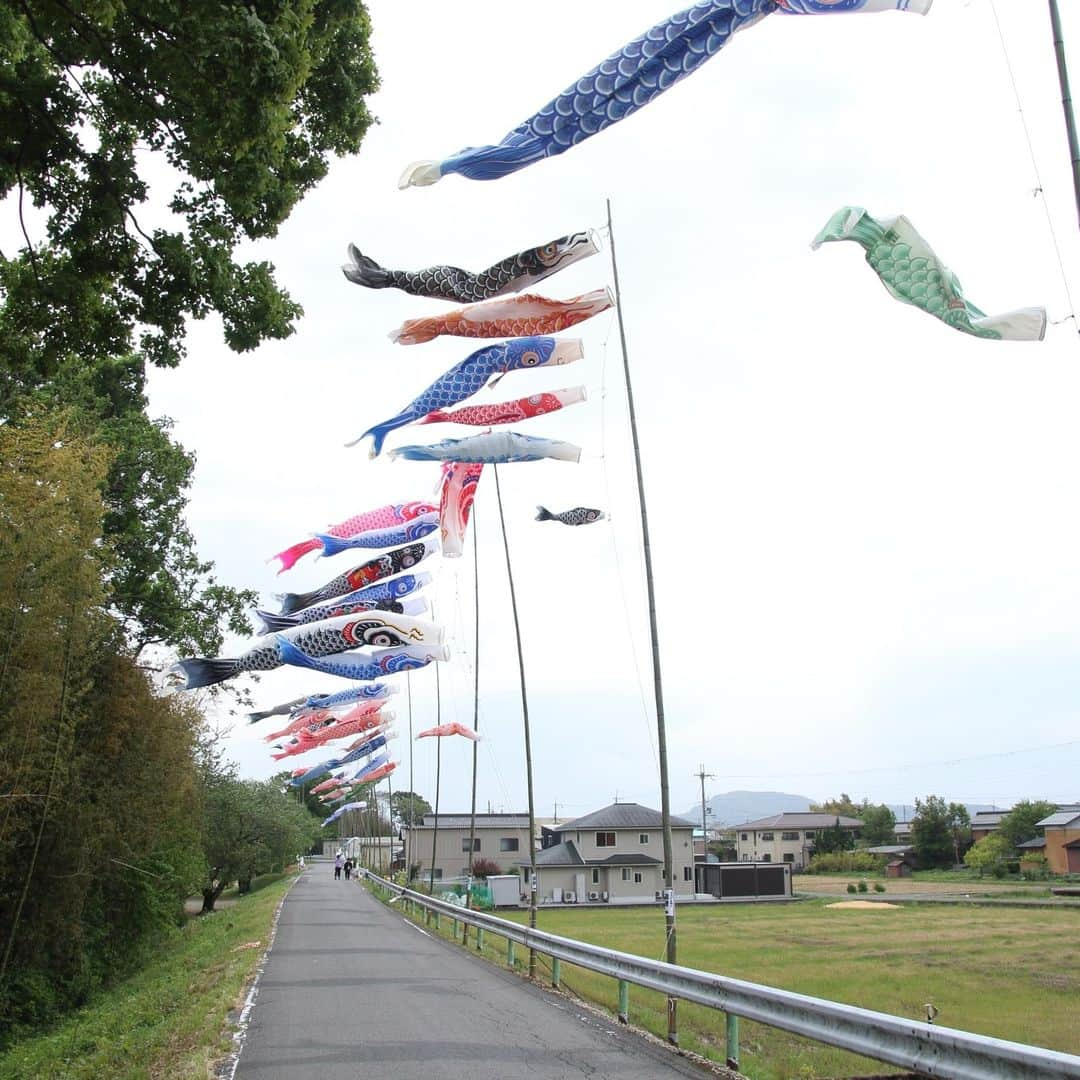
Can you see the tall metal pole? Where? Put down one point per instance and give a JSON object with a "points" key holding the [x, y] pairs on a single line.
{"points": [[412, 790], [703, 776], [476, 717], [438, 768], [1066, 100], [525, 721], [658, 688]]}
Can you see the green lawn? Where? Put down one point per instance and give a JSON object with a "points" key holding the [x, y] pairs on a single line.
{"points": [[168, 1021], [1011, 973]]}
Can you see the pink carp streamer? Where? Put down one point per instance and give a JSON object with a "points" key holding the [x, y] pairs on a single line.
{"points": [[510, 317], [449, 729], [378, 774], [314, 720], [507, 412], [459, 483], [305, 740], [385, 517], [326, 785]]}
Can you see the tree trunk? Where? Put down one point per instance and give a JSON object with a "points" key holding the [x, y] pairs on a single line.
{"points": [[210, 895], [244, 886]]}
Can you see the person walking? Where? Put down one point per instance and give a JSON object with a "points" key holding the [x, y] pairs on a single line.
{"points": [[339, 862], [348, 869]]}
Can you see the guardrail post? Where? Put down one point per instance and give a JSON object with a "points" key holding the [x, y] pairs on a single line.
{"points": [[479, 939], [555, 972], [732, 1041], [509, 952], [438, 921], [624, 1002], [454, 934]]}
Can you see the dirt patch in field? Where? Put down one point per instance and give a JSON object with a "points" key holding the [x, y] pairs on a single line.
{"points": [[864, 905]]}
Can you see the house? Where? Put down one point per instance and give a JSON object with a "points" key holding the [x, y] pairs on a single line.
{"points": [[787, 837], [985, 822], [1061, 831], [902, 832], [500, 838], [1032, 853], [614, 855]]}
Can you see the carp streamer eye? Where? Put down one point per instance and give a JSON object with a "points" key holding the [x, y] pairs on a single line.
{"points": [[548, 253], [530, 358]]}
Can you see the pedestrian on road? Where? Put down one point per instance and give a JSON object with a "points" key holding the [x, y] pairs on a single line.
{"points": [[348, 868], [339, 862]]}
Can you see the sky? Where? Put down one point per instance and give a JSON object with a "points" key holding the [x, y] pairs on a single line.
{"points": [[864, 526]]}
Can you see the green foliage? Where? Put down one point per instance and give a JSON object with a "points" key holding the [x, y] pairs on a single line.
{"points": [[244, 103], [879, 886], [1018, 825], [863, 887], [939, 831], [164, 1021], [842, 806], [841, 862], [833, 838], [878, 825], [851, 887], [409, 808], [249, 827], [98, 843], [988, 852]]}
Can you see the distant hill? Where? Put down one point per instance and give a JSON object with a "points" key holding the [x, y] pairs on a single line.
{"points": [[735, 807]]}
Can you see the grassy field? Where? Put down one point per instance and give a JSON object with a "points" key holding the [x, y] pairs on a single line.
{"points": [[169, 1021], [1010, 973]]}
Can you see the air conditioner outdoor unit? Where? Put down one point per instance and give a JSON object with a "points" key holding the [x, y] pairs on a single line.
{"points": [[659, 895], [594, 896], [603, 896], [569, 897]]}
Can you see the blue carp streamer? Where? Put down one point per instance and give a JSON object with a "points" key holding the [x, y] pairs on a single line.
{"points": [[626, 81]]}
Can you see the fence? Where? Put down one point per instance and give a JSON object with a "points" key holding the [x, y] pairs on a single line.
{"points": [[918, 1047]]}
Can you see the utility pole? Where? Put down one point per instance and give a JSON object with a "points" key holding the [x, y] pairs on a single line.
{"points": [[702, 775], [1066, 99]]}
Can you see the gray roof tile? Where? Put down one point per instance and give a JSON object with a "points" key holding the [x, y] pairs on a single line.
{"points": [[623, 816]]}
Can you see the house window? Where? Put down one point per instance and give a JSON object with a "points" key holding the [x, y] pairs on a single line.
{"points": [[465, 844], [508, 843], [637, 877], [595, 876], [688, 873], [766, 836], [789, 856], [605, 839], [438, 873], [744, 836], [625, 874], [643, 838], [789, 836], [766, 857], [810, 834]]}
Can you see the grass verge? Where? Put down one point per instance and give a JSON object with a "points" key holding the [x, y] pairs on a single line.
{"points": [[1009, 973], [170, 1020]]}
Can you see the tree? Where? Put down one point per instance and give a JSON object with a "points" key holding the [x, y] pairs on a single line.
{"points": [[938, 831], [992, 850], [878, 825], [1018, 824], [410, 808], [244, 104], [842, 806], [833, 838]]}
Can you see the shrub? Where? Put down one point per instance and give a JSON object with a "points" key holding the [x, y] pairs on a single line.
{"points": [[483, 868], [863, 887], [858, 862], [878, 887], [851, 887]]}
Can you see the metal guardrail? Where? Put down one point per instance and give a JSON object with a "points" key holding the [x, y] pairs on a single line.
{"points": [[918, 1047]]}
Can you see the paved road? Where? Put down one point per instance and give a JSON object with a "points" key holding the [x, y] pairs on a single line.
{"points": [[352, 990]]}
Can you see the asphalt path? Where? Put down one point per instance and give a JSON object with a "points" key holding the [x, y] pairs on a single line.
{"points": [[350, 989]]}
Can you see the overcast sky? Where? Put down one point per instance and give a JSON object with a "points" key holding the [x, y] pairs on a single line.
{"points": [[865, 529]]}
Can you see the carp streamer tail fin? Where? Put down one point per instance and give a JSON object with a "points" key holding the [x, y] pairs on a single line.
{"points": [[271, 623], [292, 602], [291, 556], [332, 545], [543, 514], [290, 654], [361, 270], [203, 672], [379, 432]]}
